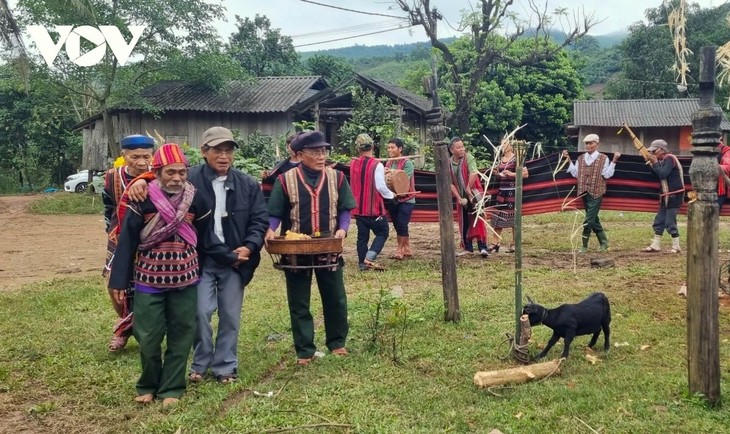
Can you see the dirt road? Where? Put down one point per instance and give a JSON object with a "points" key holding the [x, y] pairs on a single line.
{"points": [[40, 247]]}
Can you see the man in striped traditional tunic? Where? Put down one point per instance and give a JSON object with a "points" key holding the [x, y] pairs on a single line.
{"points": [[592, 170], [137, 154], [313, 199], [158, 251], [367, 175]]}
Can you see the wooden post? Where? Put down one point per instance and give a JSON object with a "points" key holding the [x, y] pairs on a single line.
{"points": [[703, 342], [445, 204], [520, 148]]}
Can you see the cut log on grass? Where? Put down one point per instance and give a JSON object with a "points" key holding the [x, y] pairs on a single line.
{"points": [[525, 330], [519, 375]]}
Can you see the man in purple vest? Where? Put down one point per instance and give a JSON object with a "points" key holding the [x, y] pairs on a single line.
{"points": [[592, 169], [367, 176]]}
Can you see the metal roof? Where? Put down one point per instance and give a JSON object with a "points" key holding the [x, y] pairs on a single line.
{"points": [[638, 113], [264, 95], [403, 96]]}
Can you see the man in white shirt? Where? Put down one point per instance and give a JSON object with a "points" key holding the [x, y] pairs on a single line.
{"points": [[367, 177], [592, 169]]}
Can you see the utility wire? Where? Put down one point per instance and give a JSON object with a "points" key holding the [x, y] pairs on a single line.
{"points": [[349, 29], [351, 37], [352, 10]]}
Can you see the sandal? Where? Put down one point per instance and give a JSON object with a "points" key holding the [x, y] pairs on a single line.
{"points": [[373, 265], [493, 248], [195, 377], [510, 249], [341, 352], [305, 361], [651, 249], [227, 378], [117, 343], [397, 255]]}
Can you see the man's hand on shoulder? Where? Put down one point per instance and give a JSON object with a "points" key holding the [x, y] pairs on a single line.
{"points": [[137, 191]]}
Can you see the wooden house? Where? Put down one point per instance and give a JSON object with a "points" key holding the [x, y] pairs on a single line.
{"points": [[412, 107], [649, 119], [269, 105]]}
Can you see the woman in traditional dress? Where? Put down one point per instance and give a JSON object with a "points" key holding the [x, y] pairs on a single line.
{"points": [[504, 214]]}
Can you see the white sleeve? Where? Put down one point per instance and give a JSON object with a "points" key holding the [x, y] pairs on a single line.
{"points": [[608, 168], [380, 182], [573, 169]]}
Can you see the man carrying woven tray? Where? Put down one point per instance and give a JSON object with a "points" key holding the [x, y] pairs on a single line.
{"points": [[671, 177], [158, 250], [313, 199]]}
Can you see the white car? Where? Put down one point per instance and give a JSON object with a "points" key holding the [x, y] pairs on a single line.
{"points": [[79, 181]]}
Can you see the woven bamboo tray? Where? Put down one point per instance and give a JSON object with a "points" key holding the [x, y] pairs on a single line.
{"points": [[314, 246]]}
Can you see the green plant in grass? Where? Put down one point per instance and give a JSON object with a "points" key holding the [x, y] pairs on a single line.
{"points": [[388, 324]]}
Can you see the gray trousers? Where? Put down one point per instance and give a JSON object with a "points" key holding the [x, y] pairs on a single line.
{"points": [[219, 289]]}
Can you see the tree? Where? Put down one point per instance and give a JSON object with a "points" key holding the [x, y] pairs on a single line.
{"points": [[647, 53], [261, 50], [172, 27], [335, 70], [484, 24], [12, 38], [37, 147]]}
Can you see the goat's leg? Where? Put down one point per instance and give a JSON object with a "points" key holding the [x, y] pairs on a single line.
{"points": [[553, 340], [569, 335], [606, 335]]}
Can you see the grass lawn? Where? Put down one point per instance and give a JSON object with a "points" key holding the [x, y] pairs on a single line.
{"points": [[408, 372]]}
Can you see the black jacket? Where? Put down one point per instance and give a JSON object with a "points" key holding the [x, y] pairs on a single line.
{"points": [[247, 216]]}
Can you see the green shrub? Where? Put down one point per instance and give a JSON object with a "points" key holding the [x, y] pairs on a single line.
{"points": [[68, 203]]}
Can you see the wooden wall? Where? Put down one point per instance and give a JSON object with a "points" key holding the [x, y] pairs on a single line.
{"points": [[176, 126]]}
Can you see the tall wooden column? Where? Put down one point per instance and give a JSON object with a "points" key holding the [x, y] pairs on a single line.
{"points": [[434, 118], [703, 343]]}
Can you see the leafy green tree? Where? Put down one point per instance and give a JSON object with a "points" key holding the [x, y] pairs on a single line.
{"points": [[261, 50], [647, 53], [37, 147], [378, 117], [335, 70], [488, 20], [172, 27]]}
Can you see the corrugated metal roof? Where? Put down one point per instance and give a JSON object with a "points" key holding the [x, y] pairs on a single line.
{"points": [[265, 95], [638, 113], [416, 102]]}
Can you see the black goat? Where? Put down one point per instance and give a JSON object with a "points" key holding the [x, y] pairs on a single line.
{"points": [[571, 320]]}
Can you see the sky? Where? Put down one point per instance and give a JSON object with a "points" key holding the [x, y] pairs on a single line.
{"points": [[309, 23]]}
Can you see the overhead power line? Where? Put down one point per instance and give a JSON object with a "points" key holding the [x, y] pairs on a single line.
{"points": [[351, 37], [353, 10], [349, 29]]}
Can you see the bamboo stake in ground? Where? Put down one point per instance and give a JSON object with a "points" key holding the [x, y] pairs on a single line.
{"points": [[523, 374]]}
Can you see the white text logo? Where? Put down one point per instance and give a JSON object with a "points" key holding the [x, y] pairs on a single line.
{"points": [[72, 38]]}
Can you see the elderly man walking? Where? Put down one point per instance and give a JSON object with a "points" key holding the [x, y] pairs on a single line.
{"points": [[592, 169], [137, 155], [240, 221], [157, 250]]}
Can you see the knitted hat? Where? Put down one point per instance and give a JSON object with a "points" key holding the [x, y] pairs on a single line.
{"points": [[364, 142], [167, 154], [137, 141]]}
